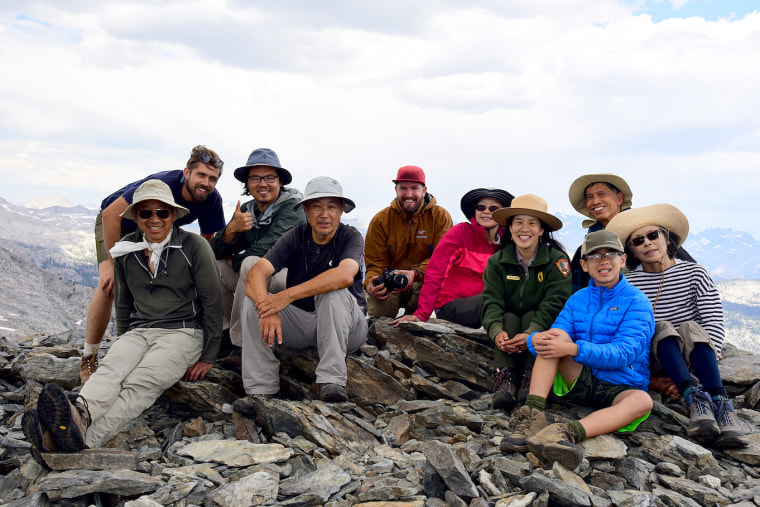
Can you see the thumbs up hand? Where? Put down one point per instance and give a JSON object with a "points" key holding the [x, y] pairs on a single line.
{"points": [[241, 221]]}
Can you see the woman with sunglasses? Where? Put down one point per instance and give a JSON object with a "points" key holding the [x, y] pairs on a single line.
{"points": [[688, 316], [454, 275], [526, 285]]}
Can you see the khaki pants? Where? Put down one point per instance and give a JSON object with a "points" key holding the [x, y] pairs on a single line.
{"points": [[233, 293], [390, 307], [336, 328], [139, 367]]}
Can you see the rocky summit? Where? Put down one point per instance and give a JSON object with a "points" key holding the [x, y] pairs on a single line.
{"points": [[418, 430]]}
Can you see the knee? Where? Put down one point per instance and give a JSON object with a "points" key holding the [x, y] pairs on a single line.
{"points": [[643, 403], [247, 264]]}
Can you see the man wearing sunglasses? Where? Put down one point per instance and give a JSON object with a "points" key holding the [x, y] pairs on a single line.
{"points": [[402, 237], [193, 188], [169, 323], [600, 197], [254, 228]]}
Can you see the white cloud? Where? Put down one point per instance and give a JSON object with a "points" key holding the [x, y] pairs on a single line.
{"points": [[522, 95]]}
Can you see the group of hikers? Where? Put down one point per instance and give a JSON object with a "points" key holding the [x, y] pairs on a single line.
{"points": [[630, 311]]}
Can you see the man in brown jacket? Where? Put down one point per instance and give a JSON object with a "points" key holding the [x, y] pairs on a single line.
{"points": [[400, 240]]}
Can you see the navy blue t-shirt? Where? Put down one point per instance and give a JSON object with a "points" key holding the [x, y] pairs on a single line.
{"points": [[305, 259], [209, 213]]}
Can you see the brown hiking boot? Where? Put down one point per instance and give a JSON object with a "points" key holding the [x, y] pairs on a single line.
{"points": [[504, 389], [40, 437], [88, 367], [67, 421], [523, 423], [556, 443]]}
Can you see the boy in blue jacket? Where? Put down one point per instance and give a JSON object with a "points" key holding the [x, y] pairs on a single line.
{"points": [[596, 354]]}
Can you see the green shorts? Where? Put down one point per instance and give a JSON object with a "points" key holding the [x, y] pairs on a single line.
{"points": [[589, 391], [100, 244]]}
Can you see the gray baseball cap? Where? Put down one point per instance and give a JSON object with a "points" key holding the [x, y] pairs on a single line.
{"points": [[601, 239], [325, 186]]}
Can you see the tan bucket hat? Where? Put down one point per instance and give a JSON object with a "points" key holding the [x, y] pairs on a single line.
{"points": [[531, 205], [158, 190], [662, 215], [577, 191]]}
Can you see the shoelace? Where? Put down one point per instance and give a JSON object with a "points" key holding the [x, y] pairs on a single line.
{"points": [[723, 413], [86, 411], [703, 403]]}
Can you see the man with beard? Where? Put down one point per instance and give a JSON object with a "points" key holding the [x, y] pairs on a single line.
{"points": [[401, 238], [192, 188]]}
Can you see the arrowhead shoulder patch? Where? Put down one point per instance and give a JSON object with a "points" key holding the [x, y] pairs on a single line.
{"points": [[564, 267]]}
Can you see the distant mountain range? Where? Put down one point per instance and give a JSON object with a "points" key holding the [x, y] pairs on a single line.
{"points": [[48, 254]]}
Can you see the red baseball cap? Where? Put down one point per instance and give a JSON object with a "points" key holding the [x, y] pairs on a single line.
{"points": [[410, 173]]}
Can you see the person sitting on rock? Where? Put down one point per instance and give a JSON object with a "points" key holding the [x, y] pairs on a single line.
{"points": [[255, 227], [596, 354], [323, 305], [454, 275], [168, 319], [526, 283], [689, 329]]}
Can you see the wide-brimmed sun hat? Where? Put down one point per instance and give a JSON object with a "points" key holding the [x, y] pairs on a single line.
{"points": [[531, 205], [577, 191], [265, 157], [470, 199], [666, 216], [325, 186], [154, 190]]}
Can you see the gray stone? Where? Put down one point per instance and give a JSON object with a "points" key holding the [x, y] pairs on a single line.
{"points": [[325, 481], [71, 484], [450, 468], [235, 453], [560, 492], [260, 487]]}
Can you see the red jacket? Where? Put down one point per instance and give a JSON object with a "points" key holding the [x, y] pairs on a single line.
{"points": [[456, 267]]}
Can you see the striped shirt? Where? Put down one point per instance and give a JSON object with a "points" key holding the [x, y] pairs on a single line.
{"points": [[688, 293]]}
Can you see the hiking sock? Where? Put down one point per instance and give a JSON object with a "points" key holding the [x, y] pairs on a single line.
{"points": [[535, 401], [705, 366], [577, 428], [687, 391], [90, 349], [672, 361], [718, 393]]}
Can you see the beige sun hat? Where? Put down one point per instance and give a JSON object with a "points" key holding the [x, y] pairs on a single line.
{"points": [[157, 190], [531, 205], [577, 191], [661, 215]]}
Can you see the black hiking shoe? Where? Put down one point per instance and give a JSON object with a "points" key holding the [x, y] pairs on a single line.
{"points": [[40, 438], [67, 421], [504, 390], [332, 393]]}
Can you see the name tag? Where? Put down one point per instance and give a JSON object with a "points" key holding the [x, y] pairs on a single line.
{"points": [[513, 277]]}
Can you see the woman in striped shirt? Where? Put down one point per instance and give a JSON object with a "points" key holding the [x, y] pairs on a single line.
{"points": [[689, 330]]}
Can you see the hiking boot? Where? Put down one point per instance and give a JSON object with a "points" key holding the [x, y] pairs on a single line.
{"points": [[731, 434], [522, 393], [702, 423], [88, 367], [332, 393], [247, 404], [40, 437], [523, 423], [67, 421], [556, 443], [504, 389]]}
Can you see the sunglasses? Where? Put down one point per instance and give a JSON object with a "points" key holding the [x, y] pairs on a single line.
{"points": [[651, 236], [162, 213], [208, 159], [482, 207]]}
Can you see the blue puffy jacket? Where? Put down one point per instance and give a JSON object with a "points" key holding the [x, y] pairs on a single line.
{"points": [[613, 329]]}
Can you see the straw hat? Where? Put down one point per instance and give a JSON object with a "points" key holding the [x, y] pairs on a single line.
{"points": [[662, 215], [531, 205], [577, 191], [156, 190]]}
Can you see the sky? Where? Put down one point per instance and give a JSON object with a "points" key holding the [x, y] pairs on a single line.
{"points": [[525, 96]]}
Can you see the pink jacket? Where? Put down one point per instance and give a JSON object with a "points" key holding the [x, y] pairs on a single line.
{"points": [[456, 267]]}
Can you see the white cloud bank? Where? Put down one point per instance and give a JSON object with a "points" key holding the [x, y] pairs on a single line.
{"points": [[524, 96]]}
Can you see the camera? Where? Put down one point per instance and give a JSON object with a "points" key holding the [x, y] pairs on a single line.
{"points": [[392, 280]]}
